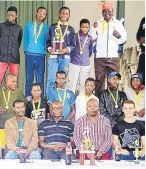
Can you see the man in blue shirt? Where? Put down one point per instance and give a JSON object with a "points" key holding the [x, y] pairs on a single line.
{"points": [[55, 133], [66, 96], [35, 37]]}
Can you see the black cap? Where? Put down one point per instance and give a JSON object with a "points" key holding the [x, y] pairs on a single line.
{"points": [[12, 8]]}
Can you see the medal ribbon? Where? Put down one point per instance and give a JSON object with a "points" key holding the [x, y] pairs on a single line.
{"points": [[82, 46], [62, 35], [64, 97], [36, 36], [114, 99], [138, 96], [36, 110], [103, 24], [4, 96]]}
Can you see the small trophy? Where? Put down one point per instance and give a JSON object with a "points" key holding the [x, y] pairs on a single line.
{"points": [[57, 41], [136, 152]]}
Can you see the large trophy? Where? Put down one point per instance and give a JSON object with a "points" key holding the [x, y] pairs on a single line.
{"points": [[136, 152], [57, 41], [87, 148]]}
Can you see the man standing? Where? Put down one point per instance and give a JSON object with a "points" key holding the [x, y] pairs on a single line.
{"points": [[10, 41], [109, 33], [21, 130], [55, 133], [35, 37], [140, 36], [95, 127]]}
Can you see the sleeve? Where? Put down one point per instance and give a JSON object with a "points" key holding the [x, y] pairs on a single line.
{"points": [[115, 130], [72, 129], [72, 98], [47, 109], [72, 40], [33, 145], [90, 47], [41, 131], [123, 34], [78, 135], [108, 138], [140, 29], [124, 96], [142, 129], [93, 33], [51, 97], [20, 36], [9, 137], [28, 110], [26, 35], [48, 42], [0, 30]]}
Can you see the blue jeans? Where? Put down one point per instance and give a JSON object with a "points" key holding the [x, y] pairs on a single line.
{"points": [[37, 64], [54, 65], [130, 157], [13, 155]]}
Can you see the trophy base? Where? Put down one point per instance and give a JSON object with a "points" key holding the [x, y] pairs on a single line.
{"points": [[137, 162]]}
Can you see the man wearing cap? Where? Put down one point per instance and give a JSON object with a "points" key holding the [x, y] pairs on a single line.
{"points": [[111, 100], [10, 41], [137, 94], [109, 33]]}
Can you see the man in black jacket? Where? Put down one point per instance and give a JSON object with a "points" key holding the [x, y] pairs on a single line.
{"points": [[140, 36], [10, 40], [111, 100]]}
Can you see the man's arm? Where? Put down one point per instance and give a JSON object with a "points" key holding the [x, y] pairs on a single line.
{"points": [[72, 113], [93, 31], [26, 34], [143, 146]]}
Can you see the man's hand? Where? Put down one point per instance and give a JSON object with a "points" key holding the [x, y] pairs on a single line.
{"points": [[141, 113], [63, 51], [2, 110], [50, 51], [18, 151], [95, 25], [142, 153], [142, 40], [27, 154], [124, 152], [116, 34], [99, 155]]}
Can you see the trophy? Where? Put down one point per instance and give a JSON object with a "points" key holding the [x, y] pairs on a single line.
{"points": [[57, 41], [136, 152], [87, 148]]}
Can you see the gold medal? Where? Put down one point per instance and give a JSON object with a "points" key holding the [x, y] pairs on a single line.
{"points": [[116, 106], [6, 99], [64, 97], [114, 99], [81, 52], [36, 36], [36, 110], [7, 107], [60, 30], [82, 46], [35, 41]]}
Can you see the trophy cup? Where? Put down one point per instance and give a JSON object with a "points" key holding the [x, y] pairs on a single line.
{"points": [[136, 152], [57, 41]]}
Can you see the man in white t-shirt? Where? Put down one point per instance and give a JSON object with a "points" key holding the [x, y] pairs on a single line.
{"points": [[82, 99], [137, 94]]}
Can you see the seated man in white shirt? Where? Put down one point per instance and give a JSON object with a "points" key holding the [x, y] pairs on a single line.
{"points": [[137, 94], [82, 99]]}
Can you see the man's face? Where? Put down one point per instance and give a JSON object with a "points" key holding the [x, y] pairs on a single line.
{"points": [[92, 108], [64, 15], [19, 109], [57, 109], [107, 14], [136, 83], [41, 15], [11, 83], [61, 79], [36, 91], [89, 87], [114, 81], [85, 28], [128, 110], [11, 16]]}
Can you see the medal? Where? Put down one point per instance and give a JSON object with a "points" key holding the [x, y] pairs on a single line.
{"points": [[36, 110], [64, 97], [114, 99], [36, 36], [6, 99], [116, 106], [82, 46], [60, 30]]}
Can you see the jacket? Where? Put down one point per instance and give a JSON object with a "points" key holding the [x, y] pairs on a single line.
{"points": [[30, 136], [107, 44], [29, 39], [107, 105], [10, 41]]}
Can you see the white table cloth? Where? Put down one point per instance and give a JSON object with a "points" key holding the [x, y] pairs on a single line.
{"points": [[46, 164]]}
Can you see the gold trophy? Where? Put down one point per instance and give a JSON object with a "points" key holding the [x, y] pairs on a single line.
{"points": [[57, 41], [136, 152]]}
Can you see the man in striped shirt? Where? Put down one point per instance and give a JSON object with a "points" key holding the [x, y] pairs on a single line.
{"points": [[55, 133], [95, 127]]}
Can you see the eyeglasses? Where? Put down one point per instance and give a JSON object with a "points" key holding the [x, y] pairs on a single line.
{"points": [[57, 108]]}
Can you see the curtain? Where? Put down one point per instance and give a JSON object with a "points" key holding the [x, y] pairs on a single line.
{"points": [[27, 13]]}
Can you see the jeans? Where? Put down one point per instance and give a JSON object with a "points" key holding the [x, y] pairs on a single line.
{"points": [[54, 65], [37, 64], [13, 155]]}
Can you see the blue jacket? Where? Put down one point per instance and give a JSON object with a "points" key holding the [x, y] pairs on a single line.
{"points": [[29, 40]]}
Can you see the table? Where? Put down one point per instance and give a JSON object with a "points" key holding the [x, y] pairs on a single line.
{"points": [[47, 164]]}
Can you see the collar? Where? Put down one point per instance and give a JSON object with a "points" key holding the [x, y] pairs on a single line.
{"points": [[113, 19], [62, 23], [96, 119], [7, 22]]}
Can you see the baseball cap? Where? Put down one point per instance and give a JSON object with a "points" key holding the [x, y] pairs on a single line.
{"points": [[137, 75], [112, 74]]}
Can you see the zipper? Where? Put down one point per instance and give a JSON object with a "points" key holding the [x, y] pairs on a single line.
{"points": [[107, 39]]}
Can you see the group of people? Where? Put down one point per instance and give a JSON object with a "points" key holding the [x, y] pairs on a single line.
{"points": [[107, 117]]}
